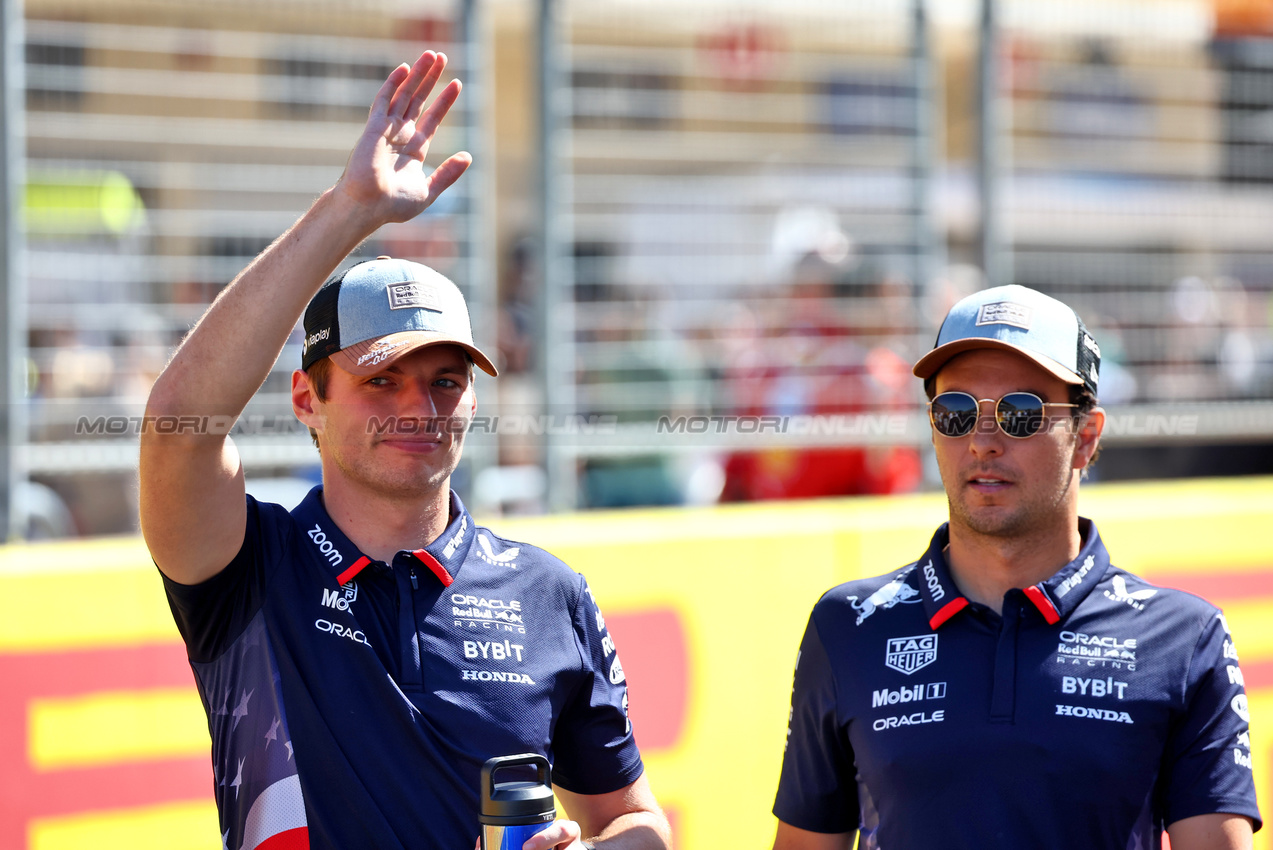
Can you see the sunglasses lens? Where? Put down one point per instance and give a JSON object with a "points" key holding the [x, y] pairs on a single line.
{"points": [[954, 414], [1020, 414]]}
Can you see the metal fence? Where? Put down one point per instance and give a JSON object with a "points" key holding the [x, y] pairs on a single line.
{"points": [[161, 157], [748, 223], [754, 190], [742, 223], [1140, 194]]}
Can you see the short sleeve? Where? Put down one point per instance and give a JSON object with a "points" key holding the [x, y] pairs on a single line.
{"points": [[817, 790], [594, 749], [212, 614], [1207, 759]]}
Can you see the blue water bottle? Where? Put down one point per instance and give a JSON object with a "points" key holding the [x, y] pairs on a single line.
{"points": [[511, 812]]}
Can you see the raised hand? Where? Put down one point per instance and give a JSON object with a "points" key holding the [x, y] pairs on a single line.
{"points": [[385, 175]]}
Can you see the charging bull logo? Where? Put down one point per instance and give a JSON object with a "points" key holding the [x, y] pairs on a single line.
{"points": [[887, 596]]}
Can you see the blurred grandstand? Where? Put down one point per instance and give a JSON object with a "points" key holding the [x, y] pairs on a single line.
{"points": [[733, 214]]}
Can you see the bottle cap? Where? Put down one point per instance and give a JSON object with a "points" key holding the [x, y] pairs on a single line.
{"points": [[517, 801]]}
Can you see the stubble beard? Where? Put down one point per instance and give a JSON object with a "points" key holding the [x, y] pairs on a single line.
{"points": [[991, 521], [397, 481], [1032, 512]]}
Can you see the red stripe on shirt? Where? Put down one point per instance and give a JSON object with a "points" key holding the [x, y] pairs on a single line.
{"points": [[1045, 606], [354, 570], [947, 611], [434, 566]]}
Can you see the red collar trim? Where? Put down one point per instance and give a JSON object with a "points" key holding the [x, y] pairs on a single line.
{"points": [[1045, 606], [434, 566], [947, 611], [354, 569]]}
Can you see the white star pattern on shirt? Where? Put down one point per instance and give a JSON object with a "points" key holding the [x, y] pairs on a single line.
{"points": [[238, 779], [272, 735], [241, 710], [246, 686]]}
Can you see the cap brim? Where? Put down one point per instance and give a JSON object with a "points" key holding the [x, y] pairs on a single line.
{"points": [[373, 355], [928, 365]]}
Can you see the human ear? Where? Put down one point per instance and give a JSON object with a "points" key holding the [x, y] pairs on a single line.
{"points": [[1088, 437], [303, 399]]}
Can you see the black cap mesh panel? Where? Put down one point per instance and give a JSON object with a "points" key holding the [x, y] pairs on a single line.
{"points": [[1088, 359], [322, 330]]}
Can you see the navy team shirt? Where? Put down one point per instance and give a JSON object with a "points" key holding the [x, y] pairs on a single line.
{"points": [[1094, 712], [352, 703]]}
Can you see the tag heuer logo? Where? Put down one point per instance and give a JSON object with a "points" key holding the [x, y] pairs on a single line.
{"points": [[1004, 313], [908, 654], [410, 295]]}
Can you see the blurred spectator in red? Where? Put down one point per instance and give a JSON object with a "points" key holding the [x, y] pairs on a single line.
{"points": [[828, 351]]}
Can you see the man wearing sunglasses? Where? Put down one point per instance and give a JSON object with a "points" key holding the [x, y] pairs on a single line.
{"points": [[1013, 688]]}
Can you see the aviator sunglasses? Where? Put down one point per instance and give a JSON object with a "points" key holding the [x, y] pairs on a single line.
{"points": [[1019, 415]]}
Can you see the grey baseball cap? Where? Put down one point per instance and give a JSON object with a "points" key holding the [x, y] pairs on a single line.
{"points": [[374, 312], [1017, 318]]}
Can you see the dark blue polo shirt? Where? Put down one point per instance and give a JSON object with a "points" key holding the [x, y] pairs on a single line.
{"points": [[352, 703], [1094, 712]]}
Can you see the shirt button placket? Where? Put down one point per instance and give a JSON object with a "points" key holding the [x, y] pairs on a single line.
{"points": [[408, 624], [1003, 696]]}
